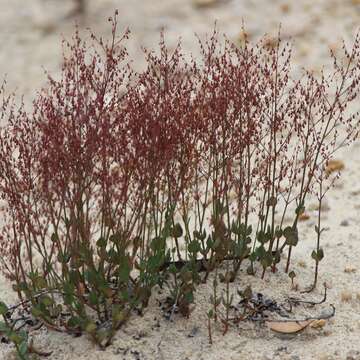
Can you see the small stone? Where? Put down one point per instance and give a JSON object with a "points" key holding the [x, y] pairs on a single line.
{"points": [[350, 270], [346, 296], [318, 324], [326, 357], [302, 263], [344, 223], [295, 357], [353, 355], [193, 332]]}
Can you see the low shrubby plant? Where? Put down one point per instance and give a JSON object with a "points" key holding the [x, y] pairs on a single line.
{"points": [[117, 182]]}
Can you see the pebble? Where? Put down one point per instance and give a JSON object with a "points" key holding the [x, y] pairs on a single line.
{"points": [[346, 296], [193, 332], [344, 223], [349, 270], [353, 355]]}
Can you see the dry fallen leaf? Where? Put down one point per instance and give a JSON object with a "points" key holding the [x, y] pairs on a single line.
{"points": [[271, 43], [318, 324], [334, 165], [288, 327], [304, 217], [285, 8], [243, 37], [204, 3]]}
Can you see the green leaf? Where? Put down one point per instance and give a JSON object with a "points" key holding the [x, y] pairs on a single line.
{"points": [[189, 296], [271, 201], [63, 258], [115, 238], [278, 232], [124, 271], [15, 338], [249, 230], [23, 348], [93, 298], [101, 242], [260, 252], [36, 312], [199, 236], [194, 247], [318, 255], [267, 260], [73, 322], [90, 327], [54, 237], [172, 268], [262, 237], [3, 308], [250, 270], [47, 300], [176, 231], [300, 210], [292, 275], [291, 236], [117, 314], [40, 282], [277, 257], [3, 327]]}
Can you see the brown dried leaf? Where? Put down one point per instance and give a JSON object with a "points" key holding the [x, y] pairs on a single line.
{"points": [[288, 327], [304, 217], [334, 165], [285, 8], [204, 3], [318, 324]]}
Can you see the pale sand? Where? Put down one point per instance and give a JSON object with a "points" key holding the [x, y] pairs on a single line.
{"points": [[30, 38]]}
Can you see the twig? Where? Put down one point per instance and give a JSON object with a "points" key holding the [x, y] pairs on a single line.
{"points": [[296, 301], [321, 317]]}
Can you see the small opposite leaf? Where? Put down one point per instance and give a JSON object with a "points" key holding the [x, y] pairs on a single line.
{"points": [[176, 231], [292, 275], [3, 308]]}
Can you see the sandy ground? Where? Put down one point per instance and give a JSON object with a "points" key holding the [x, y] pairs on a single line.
{"points": [[30, 35]]}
